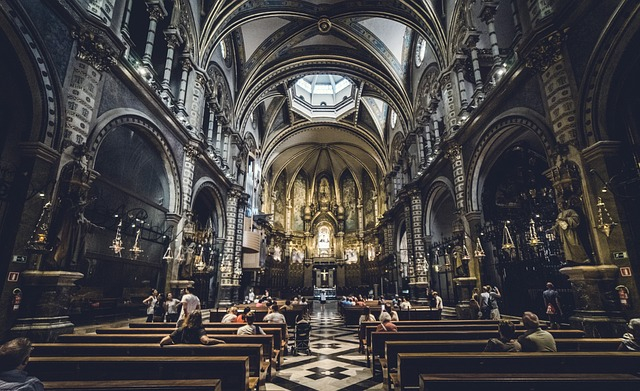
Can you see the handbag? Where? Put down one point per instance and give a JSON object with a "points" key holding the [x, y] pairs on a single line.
{"points": [[551, 310]]}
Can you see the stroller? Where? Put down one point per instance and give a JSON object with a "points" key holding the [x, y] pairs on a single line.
{"points": [[301, 339]]}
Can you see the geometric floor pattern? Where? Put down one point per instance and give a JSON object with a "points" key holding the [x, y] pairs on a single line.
{"points": [[334, 362]]}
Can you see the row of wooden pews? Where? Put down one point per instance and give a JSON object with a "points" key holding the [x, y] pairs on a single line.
{"points": [[433, 355], [125, 357]]}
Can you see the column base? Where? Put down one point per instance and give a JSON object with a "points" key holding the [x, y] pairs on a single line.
{"points": [[228, 294], [597, 312], [46, 329], [419, 293]]}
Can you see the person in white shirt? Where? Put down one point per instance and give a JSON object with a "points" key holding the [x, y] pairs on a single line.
{"points": [[171, 306], [231, 316], [438, 299], [250, 328], [190, 302], [405, 305], [275, 316], [151, 302]]}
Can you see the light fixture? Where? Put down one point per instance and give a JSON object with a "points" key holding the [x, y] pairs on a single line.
{"points": [[507, 240], [604, 227], [479, 251], [136, 250], [534, 240], [116, 244]]}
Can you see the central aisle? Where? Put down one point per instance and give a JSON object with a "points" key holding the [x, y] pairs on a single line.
{"points": [[334, 363]]}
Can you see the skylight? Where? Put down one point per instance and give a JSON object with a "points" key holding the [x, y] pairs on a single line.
{"points": [[323, 96]]}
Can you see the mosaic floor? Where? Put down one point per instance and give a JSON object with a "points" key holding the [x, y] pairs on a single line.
{"points": [[334, 363]]}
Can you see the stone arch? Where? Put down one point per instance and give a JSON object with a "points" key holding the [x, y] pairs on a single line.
{"points": [[502, 133], [207, 184], [47, 108], [439, 189], [118, 117]]}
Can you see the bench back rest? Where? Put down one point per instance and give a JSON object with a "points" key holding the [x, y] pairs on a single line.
{"points": [[232, 371], [411, 365]]}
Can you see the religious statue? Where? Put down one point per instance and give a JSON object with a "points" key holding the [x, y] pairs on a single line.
{"points": [[566, 226], [324, 191]]}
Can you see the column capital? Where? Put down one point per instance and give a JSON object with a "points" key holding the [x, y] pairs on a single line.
{"points": [[186, 64], [156, 11], [94, 50], [488, 11], [173, 38], [454, 151], [191, 151], [547, 52]]}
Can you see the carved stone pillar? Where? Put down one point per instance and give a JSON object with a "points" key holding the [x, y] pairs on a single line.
{"points": [[184, 79], [472, 41], [462, 87], [173, 41], [450, 117], [487, 14], [421, 268], [45, 310], [191, 155], [156, 12], [93, 57], [597, 309], [454, 154], [229, 282]]}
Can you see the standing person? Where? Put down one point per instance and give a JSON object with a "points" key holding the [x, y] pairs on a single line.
{"points": [[250, 328], [190, 303], [438, 301], [231, 316], [171, 307], [494, 295], [631, 340], [323, 297], [252, 296], [485, 305], [552, 305], [474, 304], [151, 302], [158, 309], [535, 339], [14, 357], [191, 331], [506, 342]]}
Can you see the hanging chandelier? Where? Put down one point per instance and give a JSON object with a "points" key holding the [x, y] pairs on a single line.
{"points": [[479, 251], [603, 227], [507, 240], [116, 244], [136, 250], [534, 240]]}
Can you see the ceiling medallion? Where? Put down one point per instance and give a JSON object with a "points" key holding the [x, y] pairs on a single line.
{"points": [[324, 25]]}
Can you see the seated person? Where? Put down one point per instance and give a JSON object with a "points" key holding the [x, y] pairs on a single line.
{"points": [[631, 340], [192, 331], [506, 342], [250, 328], [14, 357], [385, 323], [287, 306], [275, 316], [231, 316], [535, 339], [241, 317], [405, 305]]}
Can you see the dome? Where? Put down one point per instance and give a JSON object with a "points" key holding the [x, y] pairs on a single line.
{"points": [[323, 90]]}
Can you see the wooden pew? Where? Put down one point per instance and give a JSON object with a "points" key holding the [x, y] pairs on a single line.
{"points": [[365, 337], [378, 339], [529, 381], [431, 327], [260, 312], [265, 340], [233, 372], [389, 363], [130, 385], [412, 365], [258, 367], [277, 332], [351, 315]]}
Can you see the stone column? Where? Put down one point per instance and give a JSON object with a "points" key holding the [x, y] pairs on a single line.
{"points": [[156, 13], [472, 41], [454, 154], [173, 41], [191, 155], [450, 117], [462, 87], [421, 268], [173, 219], [487, 14], [182, 93], [420, 144], [94, 56], [436, 133], [428, 143], [229, 282], [126, 18]]}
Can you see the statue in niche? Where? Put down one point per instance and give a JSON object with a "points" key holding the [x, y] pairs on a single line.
{"points": [[185, 270], [277, 253], [323, 191], [297, 256], [568, 225]]}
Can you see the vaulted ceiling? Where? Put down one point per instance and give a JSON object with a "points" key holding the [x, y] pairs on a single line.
{"points": [[370, 43]]}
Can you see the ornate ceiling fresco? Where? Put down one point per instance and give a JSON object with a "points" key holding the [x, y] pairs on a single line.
{"points": [[369, 44]]}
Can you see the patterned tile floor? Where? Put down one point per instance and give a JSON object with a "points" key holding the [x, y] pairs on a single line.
{"points": [[334, 363]]}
